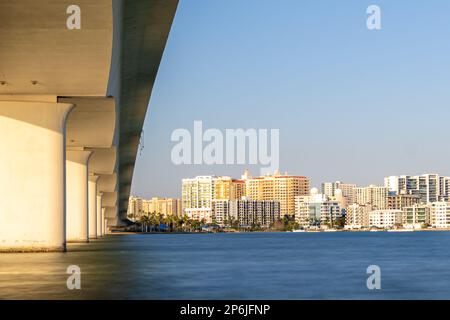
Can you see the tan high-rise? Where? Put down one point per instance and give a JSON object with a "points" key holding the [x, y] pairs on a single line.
{"points": [[283, 188]]}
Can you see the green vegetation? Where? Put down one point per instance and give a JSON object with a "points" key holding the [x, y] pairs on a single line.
{"points": [[157, 222]]}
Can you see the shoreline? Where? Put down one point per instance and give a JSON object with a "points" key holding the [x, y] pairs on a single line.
{"points": [[301, 231]]}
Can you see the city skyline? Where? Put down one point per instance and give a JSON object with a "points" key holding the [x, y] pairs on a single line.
{"points": [[270, 201], [382, 181]]}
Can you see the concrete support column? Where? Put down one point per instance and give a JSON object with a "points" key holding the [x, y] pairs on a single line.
{"points": [[32, 175], [77, 195], [106, 227], [99, 214], [103, 222], [92, 188]]}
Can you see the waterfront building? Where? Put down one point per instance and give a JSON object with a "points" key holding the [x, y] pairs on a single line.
{"points": [[348, 190], [200, 192], [221, 209], [249, 213], [373, 196], [164, 206], [400, 201], [226, 188], [357, 217], [385, 219], [200, 214], [246, 212], [316, 209], [440, 214], [429, 187], [416, 216], [197, 193], [277, 187], [135, 208]]}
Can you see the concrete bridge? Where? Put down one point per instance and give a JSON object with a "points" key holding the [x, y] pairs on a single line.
{"points": [[75, 82]]}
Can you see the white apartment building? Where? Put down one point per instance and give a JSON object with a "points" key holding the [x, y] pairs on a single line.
{"points": [[385, 219], [440, 214], [316, 209], [197, 193], [430, 187], [199, 214], [414, 217], [221, 209]]}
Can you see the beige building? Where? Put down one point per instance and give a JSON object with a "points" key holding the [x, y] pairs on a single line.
{"points": [[400, 201], [440, 214], [348, 190], [357, 217], [165, 206], [373, 196], [135, 208], [282, 188]]}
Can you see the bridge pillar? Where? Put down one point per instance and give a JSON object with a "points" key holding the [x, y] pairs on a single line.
{"points": [[77, 195], [99, 214], [92, 189], [104, 222], [32, 175]]}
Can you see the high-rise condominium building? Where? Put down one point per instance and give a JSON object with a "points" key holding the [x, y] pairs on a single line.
{"points": [[135, 207], [277, 187], [226, 188], [348, 190], [201, 191], [262, 213], [246, 212], [197, 192], [316, 209], [221, 210], [372, 196], [429, 187]]}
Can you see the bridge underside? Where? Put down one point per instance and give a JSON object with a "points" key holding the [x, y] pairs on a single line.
{"points": [[72, 107]]}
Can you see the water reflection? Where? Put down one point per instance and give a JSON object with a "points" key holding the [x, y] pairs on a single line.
{"points": [[237, 266]]}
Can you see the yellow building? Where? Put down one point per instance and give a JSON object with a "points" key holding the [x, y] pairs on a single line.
{"points": [[283, 188]]}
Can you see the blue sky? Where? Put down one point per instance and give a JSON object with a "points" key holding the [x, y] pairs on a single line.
{"points": [[351, 104]]}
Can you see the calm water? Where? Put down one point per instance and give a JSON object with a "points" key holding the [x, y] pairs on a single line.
{"points": [[237, 266]]}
